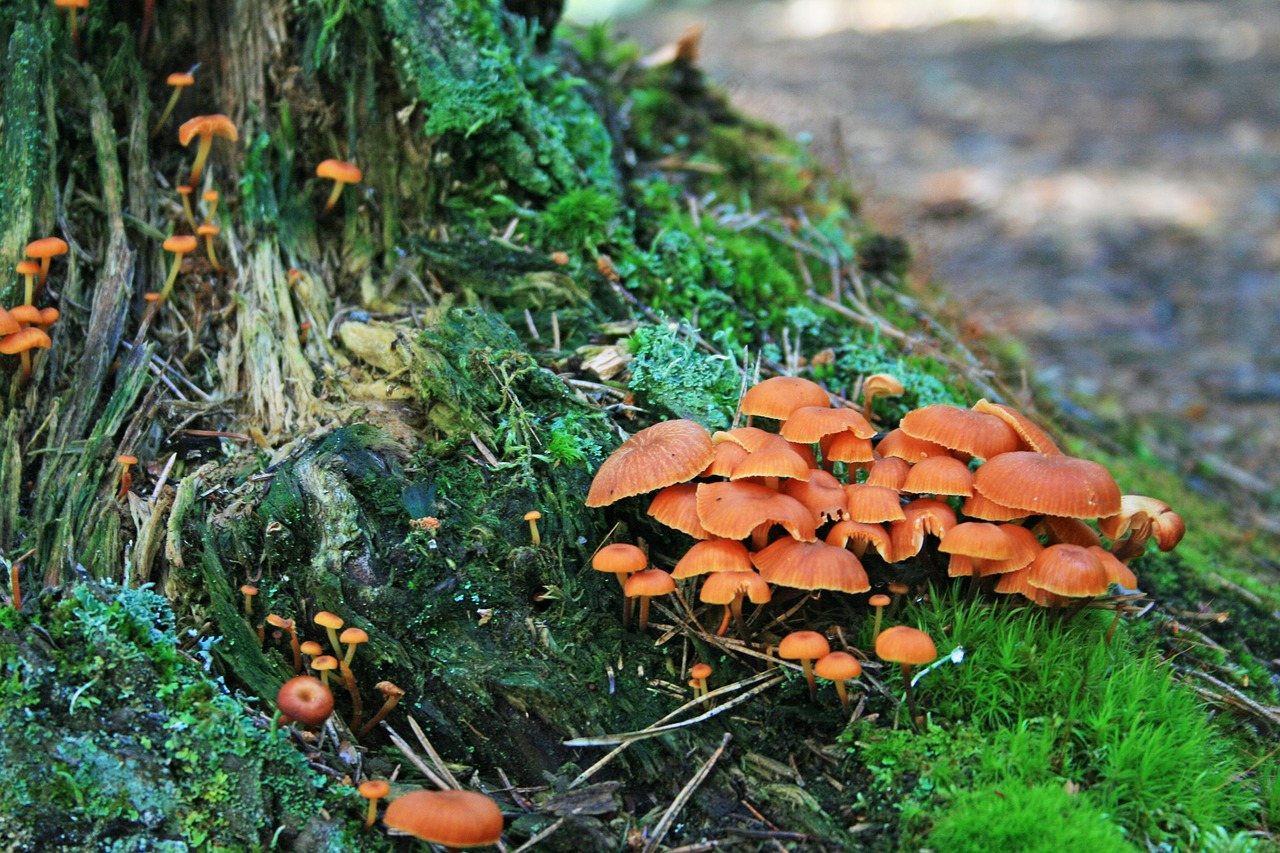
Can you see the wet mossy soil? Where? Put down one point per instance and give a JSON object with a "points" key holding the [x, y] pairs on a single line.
{"points": [[357, 414]]}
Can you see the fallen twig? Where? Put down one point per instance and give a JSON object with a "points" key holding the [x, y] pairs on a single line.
{"points": [[686, 792]]}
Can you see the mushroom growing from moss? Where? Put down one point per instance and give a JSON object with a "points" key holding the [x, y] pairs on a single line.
{"points": [[208, 231], [373, 790], [341, 173], [645, 585], [45, 250], [179, 244], [532, 517], [331, 623], [29, 269], [621, 560], [179, 80], [21, 343], [909, 647], [838, 667], [205, 127], [303, 699], [391, 695], [284, 624]]}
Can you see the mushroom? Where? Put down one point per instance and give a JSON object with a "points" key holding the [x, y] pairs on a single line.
{"points": [[645, 585], [879, 601], [838, 667], [805, 646], [373, 790], [21, 343], [179, 244], [324, 664], [452, 819], [390, 696], [532, 517], [206, 127], [811, 565], [1051, 485], [184, 191], [779, 396], [729, 588], [906, 646], [331, 623], [621, 560], [342, 173], [210, 198], [963, 430], [352, 637], [310, 649], [127, 461], [71, 6], [208, 231], [44, 250], [303, 699], [287, 625], [879, 385], [248, 590], [179, 80], [699, 673], [662, 455]]}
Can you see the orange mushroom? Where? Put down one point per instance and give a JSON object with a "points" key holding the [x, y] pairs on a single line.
{"points": [[208, 231], [805, 646], [532, 517], [179, 244], [645, 585], [44, 250], [205, 127], [126, 480], [662, 455], [341, 173], [452, 819], [71, 6], [184, 191], [30, 269], [21, 343], [373, 790], [179, 80], [909, 647], [838, 667], [303, 699]]}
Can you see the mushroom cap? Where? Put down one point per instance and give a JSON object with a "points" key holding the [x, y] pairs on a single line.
{"points": [[214, 125], [1051, 485], [903, 644], [661, 455], [320, 663], [734, 509], [923, 515], [977, 506], [339, 170], [389, 689], [1069, 570], [847, 446], [898, 443], [180, 79], [183, 189], [837, 666], [1071, 531], [49, 316], [779, 396], [47, 247], [449, 818], [727, 456], [210, 196], [532, 515], [71, 4], [279, 621], [872, 504], [978, 539], [129, 459], [882, 384], [700, 670], [713, 555], [724, 587], [677, 507], [1031, 436], [325, 619], [1136, 510], [777, 458], [305, 699], [250, 590], [180, 244], [26, 315], [23, 340], [939, 475], [803, 645], [822, 494], [889, 471], [649, 582], [619, 557], [208, 229], [8, 324], [27, 267], [808, 424], [844, 532], [374, 789], [308, 647], [1025, 548], [811, 565], [353, 636], [879, 600], [960, 429]]}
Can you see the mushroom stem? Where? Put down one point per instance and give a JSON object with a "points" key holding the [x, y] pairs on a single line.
{"points": [[911, 697], [173, 277], [202, 154], [168, 110], [14, 586], [807, 664], [185, 191], [26, 365], [843, 693], [333, 197], [126, 480], [349, 681], [875, 628], [533, 532], [743, 631], [644, 612], [390, 703]]}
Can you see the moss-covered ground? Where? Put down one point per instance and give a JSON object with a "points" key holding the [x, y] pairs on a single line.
{"points": [[550, 250]]}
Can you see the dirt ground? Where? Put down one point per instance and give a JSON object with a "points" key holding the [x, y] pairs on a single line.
{"points": [[1099, 179]]}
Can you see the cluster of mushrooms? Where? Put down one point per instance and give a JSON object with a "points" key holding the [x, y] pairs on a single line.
{"points": [[812, 501], [25, 328]]}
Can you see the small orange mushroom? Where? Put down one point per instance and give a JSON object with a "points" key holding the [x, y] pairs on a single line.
{"points": [[210, 198], [179, 80], [185, 191], [303, 699], [373, 790], [331, 623], [30, 269], [341, 173], [645, 585], [126, 480], [249, 591], [208, 232], [44, 250], [390, 697], [179, 244], [205, 127], [532, 517], [805, 646], [21, 343], [838, 667]]}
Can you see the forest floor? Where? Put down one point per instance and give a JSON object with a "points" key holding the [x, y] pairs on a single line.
{"points": [[1096, 181]]}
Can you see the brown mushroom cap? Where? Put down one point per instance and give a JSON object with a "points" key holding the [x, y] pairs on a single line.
{"points": [[811, 565], [27, 267], [837, 666], [939, 475], [24, 340], [180, 244], [180, 79], [1032, 437], [1051, 485], [903, 644], [724, 587], [661, 455], [677, 507], [619, 557], [449, 818], [339, 170], [649, 582], [306, 700], [808, 424], [923, 515], [803, 645], [713, 555], [212, 125], [1069, 570], [960, 429], [779, 396], [847, 447], [735, 509], [46, 247]]}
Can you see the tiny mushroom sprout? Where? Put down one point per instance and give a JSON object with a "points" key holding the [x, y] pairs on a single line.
{"points": [[879, 601], [179, 80], [391, 695], [184, 192], [210, 198], [806, 647], [373, 790], [838, 667], [248, 590], [303, 699], [45, 250], [208, 231], [621, 560], [645, 585], [532, 517], [179, 244], [341, 173], [699, 673], [324, 664], [352, 637], [879, 385], [452, 819], [205, 127], [284, 624], [127, 461], [909, 647]]}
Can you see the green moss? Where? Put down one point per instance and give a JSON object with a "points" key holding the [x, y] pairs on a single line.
{"points": [[1036, 819], [670, 375], [113, 737]]}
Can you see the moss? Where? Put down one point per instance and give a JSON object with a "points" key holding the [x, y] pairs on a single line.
{"points": [[670, 376], [114, 738], [1037, 819], [23, 146]]}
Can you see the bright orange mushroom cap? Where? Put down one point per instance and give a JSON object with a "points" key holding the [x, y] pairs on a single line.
{"points": [[449, 818]]}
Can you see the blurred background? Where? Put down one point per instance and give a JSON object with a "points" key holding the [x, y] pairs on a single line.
{"points": [[1097, 179]]}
